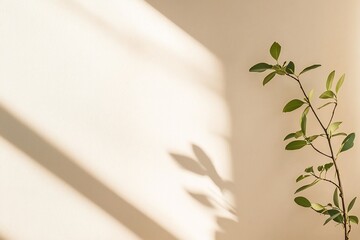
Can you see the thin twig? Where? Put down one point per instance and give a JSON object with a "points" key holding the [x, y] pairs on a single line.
{"points": [[332, 115], [312, 145], [325, 179]]}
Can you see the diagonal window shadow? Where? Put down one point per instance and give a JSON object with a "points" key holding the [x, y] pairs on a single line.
{"points": [[62, 166]]}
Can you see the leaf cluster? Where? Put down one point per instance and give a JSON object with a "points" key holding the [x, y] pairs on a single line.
{"points": [[332, 210], [277, 69], [302, 138]]}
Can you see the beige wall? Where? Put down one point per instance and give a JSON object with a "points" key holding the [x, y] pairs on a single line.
{"points": [[139, 120]]}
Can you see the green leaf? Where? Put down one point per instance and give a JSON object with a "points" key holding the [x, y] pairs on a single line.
{"points": [[330, 80], [260, 67], [297, 144], [354, 219], [309, 170], [301, 177], [327, 94], [303, 124], [348, 142], [306, 110], [339, 134], [298, 134], [336, 197], [351, 204], [290, 68], [302, 201], [320, 168], [328, 166], [340, 83], [292, 105], [325, 105], [333, 127], [290, 135], [317, 207], [334, 213], [333, 217], [268, 78], [281, 71], [312, 138], [306, 186], [275, 50], [310, 68], [311, 93]]}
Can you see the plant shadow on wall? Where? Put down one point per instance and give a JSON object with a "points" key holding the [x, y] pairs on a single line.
{"points": [[61, 165], [202, 166]]}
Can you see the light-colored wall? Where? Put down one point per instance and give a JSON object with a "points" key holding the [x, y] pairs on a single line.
{"points": [[101, 104], [139, 120]]}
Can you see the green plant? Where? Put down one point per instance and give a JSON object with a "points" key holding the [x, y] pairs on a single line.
{"points": [[337, 210]]}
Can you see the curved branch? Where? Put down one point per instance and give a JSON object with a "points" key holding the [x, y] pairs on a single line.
{"points": [[332, 115], [312, 145], [325, 179]]}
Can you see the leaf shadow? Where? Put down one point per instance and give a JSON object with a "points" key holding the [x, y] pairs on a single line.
{"points": [[202, 165]]}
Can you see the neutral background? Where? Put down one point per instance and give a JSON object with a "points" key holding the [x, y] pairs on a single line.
{"points": [[139, 120]]}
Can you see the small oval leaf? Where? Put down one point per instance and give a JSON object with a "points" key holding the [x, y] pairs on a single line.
{"points": [[275, 50], [303, 202], [309, 68], [290, 68], [328, 166], [292, 105], [268, 78], [336, 197], [351, 204], [260, 67], [330, 80], [303, 124], [297, 144], [306, 110], [290, 135], [327, 94], [333, 127], [311, 93], [335, 215], [298, 134], [312, 138], [348, 142], [301, 177], [317, 207], [340, 83], [339, 134], [325, 105], [354, 219], [332, 218], [306, 186], [309, 170]]}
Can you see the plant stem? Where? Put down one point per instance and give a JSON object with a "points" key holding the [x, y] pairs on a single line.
{"points": [[332, 114], [333, 158], [312, 145], [325, 179]]}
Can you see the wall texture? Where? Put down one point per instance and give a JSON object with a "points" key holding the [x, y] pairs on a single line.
{"points": [[139, 120]]}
